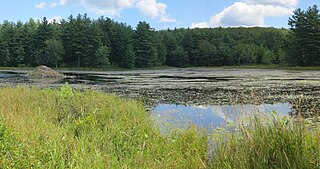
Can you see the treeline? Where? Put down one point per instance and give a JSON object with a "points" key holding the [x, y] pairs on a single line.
{"points": [[304, 40], [84, 42]]}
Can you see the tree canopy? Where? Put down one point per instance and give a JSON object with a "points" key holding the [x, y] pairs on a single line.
{"points": [[84, 42], [304, 47]]}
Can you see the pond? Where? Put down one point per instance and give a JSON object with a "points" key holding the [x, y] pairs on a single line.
{"points": [[211, 117], [8, 75], [210, 94]]}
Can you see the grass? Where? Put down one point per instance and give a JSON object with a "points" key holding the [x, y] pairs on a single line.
{"points": [[70, 129], [45, 128], [273, 144]]}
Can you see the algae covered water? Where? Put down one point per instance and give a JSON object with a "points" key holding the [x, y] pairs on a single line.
{"points": [[204, 96]]}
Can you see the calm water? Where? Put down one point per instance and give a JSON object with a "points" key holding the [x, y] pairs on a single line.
{"points": [[213, 116], [8, 75]]}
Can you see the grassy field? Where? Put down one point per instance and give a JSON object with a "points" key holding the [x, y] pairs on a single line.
{"points": [[45, 128], [69, 129]]}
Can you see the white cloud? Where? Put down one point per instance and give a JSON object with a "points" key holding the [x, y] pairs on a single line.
{"points": [[41, 5], [200, 25], [242, 14], [247, 14], [110, 7], [167, 19], [114, 7], [53, 5], [63, 2], [154, 10]]}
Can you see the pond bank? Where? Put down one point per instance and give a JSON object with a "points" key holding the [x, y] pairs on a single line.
{"points": [[63, 128]]}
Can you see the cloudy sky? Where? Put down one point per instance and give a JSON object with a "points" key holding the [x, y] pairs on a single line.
{"points": [[162, 14]]}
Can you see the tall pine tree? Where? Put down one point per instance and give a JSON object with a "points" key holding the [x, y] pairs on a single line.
{"points": [[145, 46], [305, 26]]}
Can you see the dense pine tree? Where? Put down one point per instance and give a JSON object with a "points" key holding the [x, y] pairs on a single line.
{"points": [[145, 46], [53, 52], [123, 53], [102, 56], [304, 44], [84, 42]]}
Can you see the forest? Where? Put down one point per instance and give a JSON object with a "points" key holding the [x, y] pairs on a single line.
{"points": [[84, 42]]}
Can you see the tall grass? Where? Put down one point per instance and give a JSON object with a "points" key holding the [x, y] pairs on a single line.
{"points": [[44, 128], [70, 129], [272, 144]]}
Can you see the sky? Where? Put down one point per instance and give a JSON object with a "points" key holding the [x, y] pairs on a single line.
{"points": [[162, 14]]}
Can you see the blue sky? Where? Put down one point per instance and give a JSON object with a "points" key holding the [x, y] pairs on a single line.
{"points": [[162, 14]]}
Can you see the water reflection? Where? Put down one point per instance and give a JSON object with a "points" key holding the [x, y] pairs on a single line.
{"points": [[212, 116], [8, 75]]}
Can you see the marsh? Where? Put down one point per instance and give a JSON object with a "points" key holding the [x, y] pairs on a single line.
{"points": [[221, 92]]}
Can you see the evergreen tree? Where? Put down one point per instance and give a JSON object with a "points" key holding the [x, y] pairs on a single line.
{"points": [[5, 37], [189, 46], [162, 53], [44, 33], [145, 46], [123, 53], [305, 26], [105, 24], [83, 42], [29, 34], [176, 56], [81, 39], [53, 52], [102, 56], [206, 54]]}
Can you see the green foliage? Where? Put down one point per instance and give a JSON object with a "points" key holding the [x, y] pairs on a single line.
{"points": [[276, 143], [105, 131], [108, 132], [53, 52], [75, 42], [205, 54], [102, 56], [162, 53], [81, 39], [178, 57], [122, 52], [12, 152], [66, 92], [65, 101], [145, 46], [224, 46], [304, 41], [269, 57]]}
